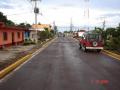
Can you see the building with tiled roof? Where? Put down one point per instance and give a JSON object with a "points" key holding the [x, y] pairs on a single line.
{"points": [[41, 27]]}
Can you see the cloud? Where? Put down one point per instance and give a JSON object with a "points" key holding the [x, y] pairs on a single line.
{"points": [[68, 5], [61, 11], [112, 19], [111, 15], [105, 4], [96, 4], [4, 1], [6, 6]]}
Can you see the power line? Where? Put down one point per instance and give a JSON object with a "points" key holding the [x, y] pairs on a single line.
{"points": [[29, 1]]}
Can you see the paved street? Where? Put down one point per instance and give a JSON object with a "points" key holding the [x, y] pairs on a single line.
{"points": [[62, 66]]}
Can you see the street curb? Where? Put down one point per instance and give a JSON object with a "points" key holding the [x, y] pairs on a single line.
{"points": [[111, 54], [13, 66]]}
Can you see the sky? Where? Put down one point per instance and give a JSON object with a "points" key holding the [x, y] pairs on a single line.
{"points": [[63, 11]]}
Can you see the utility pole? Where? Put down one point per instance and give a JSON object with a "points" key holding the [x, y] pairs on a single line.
{"points": [[54, 27], [71, 25], [86, 13], [104, 24], [36, 11]]}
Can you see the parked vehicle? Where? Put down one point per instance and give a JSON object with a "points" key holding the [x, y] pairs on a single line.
{"points": [[80, 33], [91, 41]]}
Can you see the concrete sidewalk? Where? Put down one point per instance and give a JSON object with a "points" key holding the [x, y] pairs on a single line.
{"points": [[9, 55]]}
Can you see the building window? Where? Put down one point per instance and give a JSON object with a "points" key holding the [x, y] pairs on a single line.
{"points": [[5, 37], [18, 34]]}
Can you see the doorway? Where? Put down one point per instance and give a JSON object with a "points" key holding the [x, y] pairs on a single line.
{"points": [[13, 38]]}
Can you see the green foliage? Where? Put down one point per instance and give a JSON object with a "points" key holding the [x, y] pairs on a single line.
{"points": [[118, 30], [4, 19], [10, 23], [28, 25], [111, 31], [111, 37], [7, 22], [55, 29], [113, 44], [52, 31], [28, 42], [98, 30], [24, 25], [39, 23], [45, 35], [65, 31], [46, 29]]}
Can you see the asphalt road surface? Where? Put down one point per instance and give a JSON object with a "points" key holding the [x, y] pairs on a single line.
{"points": [[62, 66]]}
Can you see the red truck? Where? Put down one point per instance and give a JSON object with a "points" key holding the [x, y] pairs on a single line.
{"points": [[91, 41]]}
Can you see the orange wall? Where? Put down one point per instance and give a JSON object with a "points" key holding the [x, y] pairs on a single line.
{"points": [[9, 35], [0, 38]]}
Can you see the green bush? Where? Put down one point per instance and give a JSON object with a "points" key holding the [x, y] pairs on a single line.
{"points": [[113, 44], [28, 42], [45, 35]]}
